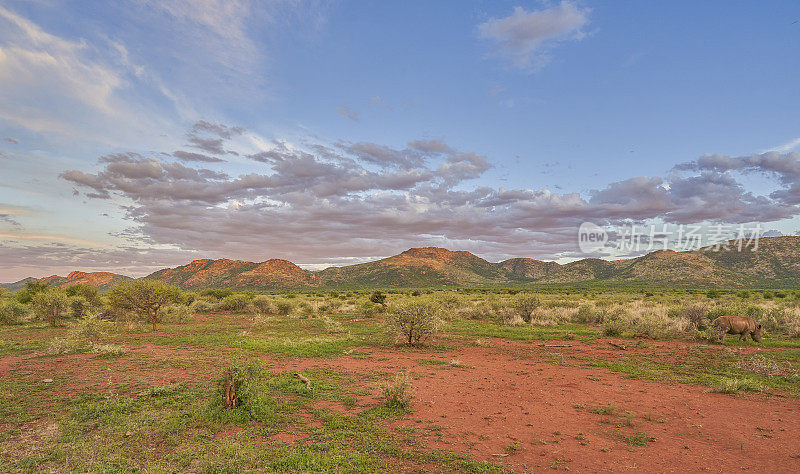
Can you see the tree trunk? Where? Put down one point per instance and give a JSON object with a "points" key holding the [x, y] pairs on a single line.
{"points": [[153, 320]]}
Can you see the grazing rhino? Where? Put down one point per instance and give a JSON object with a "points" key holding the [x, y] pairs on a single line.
{"points": [[741, 326]]}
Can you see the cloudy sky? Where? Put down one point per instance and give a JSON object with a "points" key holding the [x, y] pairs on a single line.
{"points": [[141, 134]]}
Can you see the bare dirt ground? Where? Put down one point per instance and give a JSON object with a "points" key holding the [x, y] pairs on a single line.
{"points": [[504, 403], [523, 414]]}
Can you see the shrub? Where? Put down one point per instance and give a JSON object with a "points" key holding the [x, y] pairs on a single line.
{"points": [[108, 351], [370, 309], [146, 297], [237, 303], [524, 304], [79, 307], [263, 304], [88, 292], [50, 305], [785, 321], [588, 314], [378, 297], [332, 325], [696, 315], [510, 317], [613, 328], [397, 393], [83, 336], [415, 320], [12, 312], [284, 308], [32, 288], [217, 293], [175, 313], [201, 306]]}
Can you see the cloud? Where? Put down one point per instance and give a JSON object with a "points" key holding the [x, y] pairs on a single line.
{"points": [[11, 140], [347, 112], [786, 147], [315, 201], [526, 38], [210, 137]]}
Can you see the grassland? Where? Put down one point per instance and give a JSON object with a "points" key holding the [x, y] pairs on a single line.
{"points": [[614, 368]]}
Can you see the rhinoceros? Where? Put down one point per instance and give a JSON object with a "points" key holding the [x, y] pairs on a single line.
{"points": [[740, 325]]}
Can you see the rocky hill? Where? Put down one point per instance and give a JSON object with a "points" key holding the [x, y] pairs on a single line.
{"points": [[776, 263]]}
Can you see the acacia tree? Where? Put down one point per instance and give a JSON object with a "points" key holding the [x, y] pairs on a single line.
{"points": [[415, 321], [50, 305], [144, 296]]}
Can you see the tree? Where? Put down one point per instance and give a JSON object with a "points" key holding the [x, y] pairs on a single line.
{"points": [[378, 298], [89, 292], [415, 321], [144, 296], [32, 288], [50, 305]]}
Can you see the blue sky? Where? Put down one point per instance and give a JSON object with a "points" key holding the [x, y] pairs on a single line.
{"points": [[359, 129]]}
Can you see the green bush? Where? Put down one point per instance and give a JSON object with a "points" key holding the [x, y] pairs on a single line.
{"points": [[50, 305], [524, 304], [263, 304], [175, 314], [237, 303], [589, 314], [79, 307], [12, 311], [614, 328], [201, 306], [397, 393], [284, 308], [414, 321]]}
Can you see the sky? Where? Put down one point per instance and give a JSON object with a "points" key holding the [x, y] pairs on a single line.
{"points": [[136, 135]]}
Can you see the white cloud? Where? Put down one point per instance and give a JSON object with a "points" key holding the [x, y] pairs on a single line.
{"points": [[525, 38], [786, 147]]}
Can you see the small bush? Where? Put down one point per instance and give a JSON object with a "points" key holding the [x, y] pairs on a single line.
{"points": [[79, 307], [236, 303], [201, 306], [263, 304], [613, 328], [332, 325], [284, 308], [588, 314], [84, 336], [414, 321], [378, 297], [397, 393], [50, 305], [108, 351], [175, 314], [696, 315], [524, 304], [785, 321], [12, 312]]}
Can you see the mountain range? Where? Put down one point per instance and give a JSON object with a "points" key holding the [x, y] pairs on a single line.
{"points": [[775, 263]]}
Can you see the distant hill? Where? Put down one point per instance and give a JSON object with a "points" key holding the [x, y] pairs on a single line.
{"points": [[98, 279], [237, 274], [776, 263]]}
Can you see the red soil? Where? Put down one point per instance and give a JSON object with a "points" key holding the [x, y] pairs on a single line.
{"points": [[505, 404], [522, 402]]}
